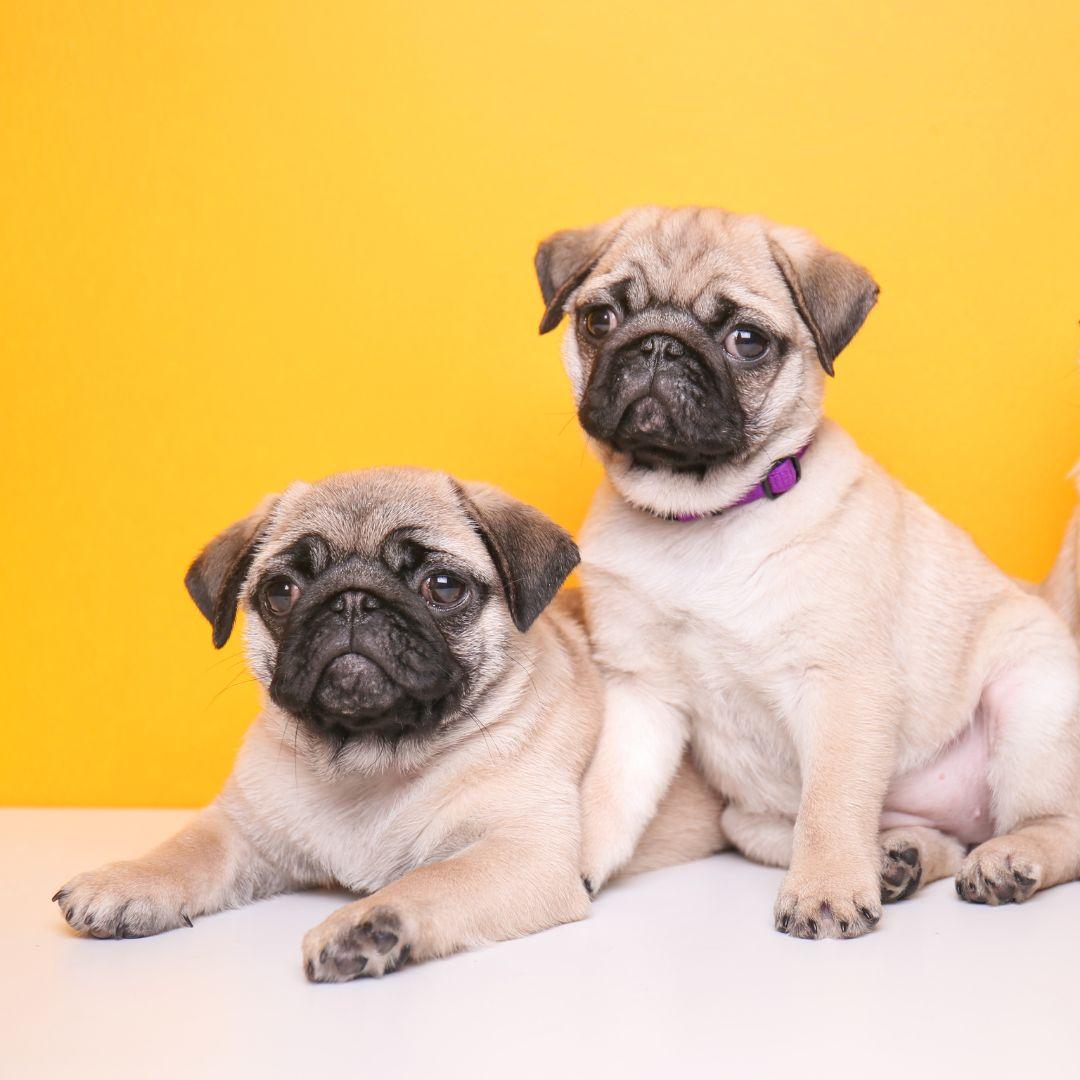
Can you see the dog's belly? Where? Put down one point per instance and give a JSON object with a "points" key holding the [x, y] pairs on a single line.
{"points": [[951, 793]]}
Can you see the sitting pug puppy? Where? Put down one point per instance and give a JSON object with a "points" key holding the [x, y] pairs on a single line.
{"points": [[425, 732], [841, 658]]}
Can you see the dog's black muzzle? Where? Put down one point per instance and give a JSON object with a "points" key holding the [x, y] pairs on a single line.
{"points": [[666, 400], [364, 657]]}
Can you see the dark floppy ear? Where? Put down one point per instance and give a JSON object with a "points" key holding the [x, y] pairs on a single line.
{"points": [[563, 261], [532, 554], [833, 294], [215, 577]]}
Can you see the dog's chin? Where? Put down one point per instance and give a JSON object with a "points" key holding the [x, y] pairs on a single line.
{"points": [[409, 718], [406, 718], [653, 434], [684, 459], [653, 447]]}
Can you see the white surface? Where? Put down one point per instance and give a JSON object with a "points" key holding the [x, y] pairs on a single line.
{"points": [[679, 969]]}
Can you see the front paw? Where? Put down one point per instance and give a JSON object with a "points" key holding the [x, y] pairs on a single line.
{"points": [[828, 905], [122, 900], [603, 855], [597, 873], [358, 941]]}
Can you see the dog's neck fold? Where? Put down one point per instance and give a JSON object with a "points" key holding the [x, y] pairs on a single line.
{"points": [[779, 480], [724, 488]]}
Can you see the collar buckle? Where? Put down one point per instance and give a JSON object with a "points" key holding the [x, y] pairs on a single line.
{"points": [[782, 477]]}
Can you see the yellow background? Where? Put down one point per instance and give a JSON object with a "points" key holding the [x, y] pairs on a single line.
{"points": [[244, 243]]}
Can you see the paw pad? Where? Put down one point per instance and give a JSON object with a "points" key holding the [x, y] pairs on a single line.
{"points": [[992, 878], [367, 949], [901, 873]]}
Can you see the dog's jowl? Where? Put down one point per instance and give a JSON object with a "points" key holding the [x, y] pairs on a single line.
{"points": [[868, 692]]}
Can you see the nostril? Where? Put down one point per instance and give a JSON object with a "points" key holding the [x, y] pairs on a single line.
{"points": [[353, 600], [659, 346]]}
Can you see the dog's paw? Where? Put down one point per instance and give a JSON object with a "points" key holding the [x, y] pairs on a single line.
{"points": [[122, 900], [357, 942], [994, 873], [827, 906], [597, 869], [602, 860], [607, 840], [593, 880], [901, 870]]}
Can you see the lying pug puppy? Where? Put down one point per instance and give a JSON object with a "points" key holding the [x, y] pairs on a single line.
{"points": [[841, 658], [425, 733]]}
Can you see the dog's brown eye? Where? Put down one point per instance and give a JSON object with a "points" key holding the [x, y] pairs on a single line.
{"points": [[746, 343], [600, 321], [281, 595], [443, 589]]}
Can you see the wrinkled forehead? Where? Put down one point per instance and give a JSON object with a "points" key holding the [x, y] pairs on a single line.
{"points": [[356, 513], [695, 258]]}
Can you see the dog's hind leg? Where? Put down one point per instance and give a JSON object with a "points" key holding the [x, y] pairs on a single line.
{"points": [[1032, 704], [763, 837], [913, 856]]}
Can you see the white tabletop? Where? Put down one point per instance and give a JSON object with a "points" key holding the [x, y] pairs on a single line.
{"points": [[674, 970]]}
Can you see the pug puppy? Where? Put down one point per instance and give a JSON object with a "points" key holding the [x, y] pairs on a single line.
{"points": [[842, 660], [427, 722]]}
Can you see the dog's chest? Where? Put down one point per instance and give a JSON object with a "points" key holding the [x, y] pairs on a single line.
{"points": [[738, 690], [718, 609], [724, 619], [365, 833], [360, 832]]}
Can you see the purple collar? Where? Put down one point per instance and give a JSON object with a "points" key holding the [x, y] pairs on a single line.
{"points": [[780, 479]]}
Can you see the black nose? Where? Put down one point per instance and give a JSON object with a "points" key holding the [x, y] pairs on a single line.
{"points": [[660, 345], [353, 602]]}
